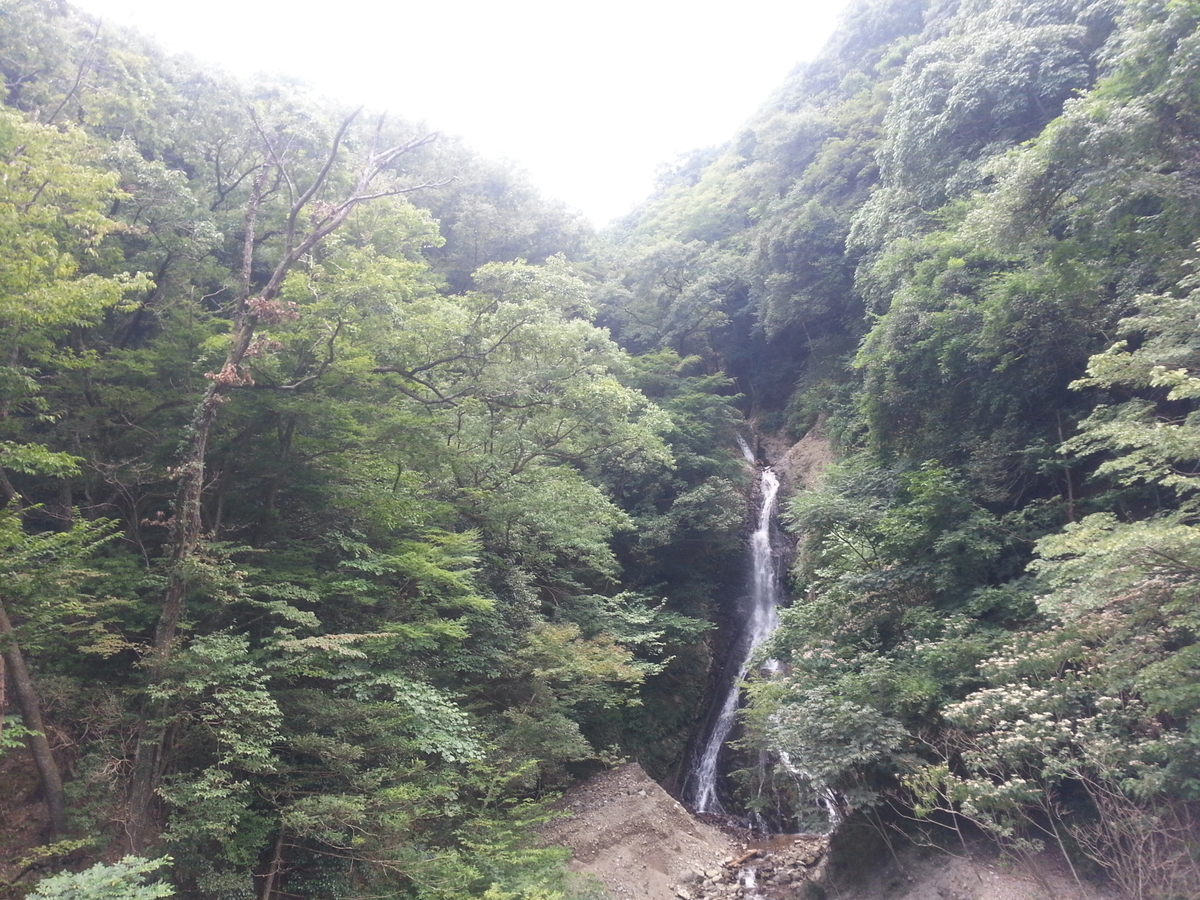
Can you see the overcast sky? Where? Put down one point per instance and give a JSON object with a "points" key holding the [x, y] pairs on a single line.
{"points": [[589, 98]]}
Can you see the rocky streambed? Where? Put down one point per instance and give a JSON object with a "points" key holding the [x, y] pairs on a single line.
{"points": [[782, 867]]}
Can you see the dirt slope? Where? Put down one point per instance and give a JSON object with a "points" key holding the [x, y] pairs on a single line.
{"points": [[638, 840], [643, 845], [917, 874]]}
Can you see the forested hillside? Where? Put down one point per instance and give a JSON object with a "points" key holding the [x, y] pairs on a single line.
{"points": [[335, 533], [356, 497], [963, 244]]}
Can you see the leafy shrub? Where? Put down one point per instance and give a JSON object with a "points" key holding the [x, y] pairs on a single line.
{"points": [[124, 880]]}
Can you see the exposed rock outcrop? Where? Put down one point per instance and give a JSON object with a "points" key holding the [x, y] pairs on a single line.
{"points": [[801, 464]]}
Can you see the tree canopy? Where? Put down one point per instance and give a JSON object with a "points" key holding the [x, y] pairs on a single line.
{"points": [[356, 498]]}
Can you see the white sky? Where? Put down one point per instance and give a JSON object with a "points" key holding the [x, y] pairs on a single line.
{"points": [[587, 97]]}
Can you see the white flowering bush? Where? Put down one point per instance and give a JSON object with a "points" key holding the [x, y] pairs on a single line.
{"points": [[1087, 734], [882, 633]]}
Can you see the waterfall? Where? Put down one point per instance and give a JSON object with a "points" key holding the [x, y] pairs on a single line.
{"points": [[763, 596], [747, 453]]}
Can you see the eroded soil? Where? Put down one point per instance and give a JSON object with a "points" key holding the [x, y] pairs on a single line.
{"points": [[641, 844]]}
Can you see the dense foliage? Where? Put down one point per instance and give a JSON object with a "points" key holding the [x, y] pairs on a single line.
{"points": [[336, 535], [961, 243], [356, 497]]}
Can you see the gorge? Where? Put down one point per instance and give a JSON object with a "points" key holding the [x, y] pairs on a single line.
{"points": [[357, 501]]}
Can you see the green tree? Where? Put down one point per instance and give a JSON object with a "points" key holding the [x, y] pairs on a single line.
{"points": [[41, 572], [123, 880], [309, 216], [52, 224]]}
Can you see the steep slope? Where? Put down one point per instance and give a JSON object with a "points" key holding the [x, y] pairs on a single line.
{"points": [[635, 838], [963, 241]]}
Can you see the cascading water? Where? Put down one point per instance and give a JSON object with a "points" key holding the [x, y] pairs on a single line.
{"points": [[763, 597]]}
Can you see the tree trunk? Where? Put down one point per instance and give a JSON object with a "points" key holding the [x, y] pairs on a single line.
{"points": [[274, 868], [298, 241], [285, 432], [185, 538], [31, 713]]}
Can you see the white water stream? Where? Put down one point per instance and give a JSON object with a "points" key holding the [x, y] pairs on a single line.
{"points": [[761, 619]]}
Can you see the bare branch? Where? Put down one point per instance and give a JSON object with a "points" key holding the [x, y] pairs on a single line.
{"points": [[320, 180], [84, 65], [399, 191], [274, 154], [330, 355], [248, 240]]}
